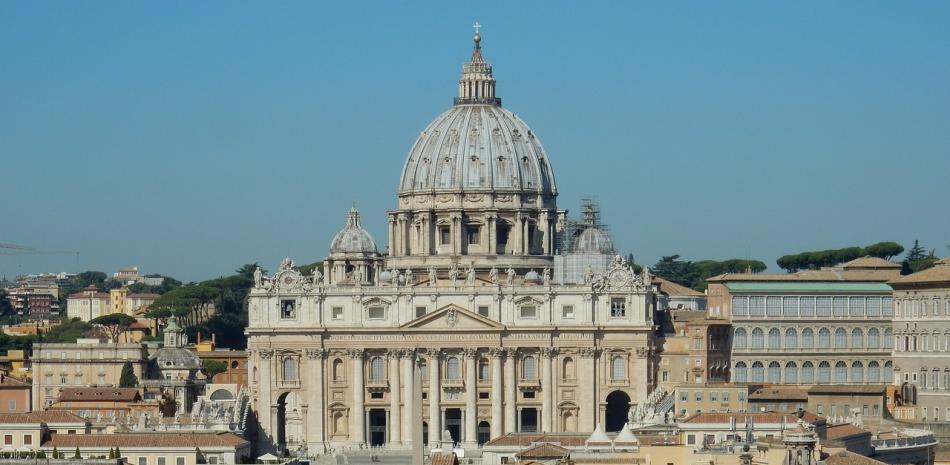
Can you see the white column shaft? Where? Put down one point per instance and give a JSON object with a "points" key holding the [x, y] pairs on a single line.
{"points": [[358, 415], [395, 416], [511, 386], [435, 399], [471, 399], [547, 393], [496, 396]]}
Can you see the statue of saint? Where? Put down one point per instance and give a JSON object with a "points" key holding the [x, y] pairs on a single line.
{"points": [[454, 273], [511, 276], [258, 276], [395, 277], [470, 276], [546, 276], [408, 275], [432, 276], [493, 275], [317, 276]]}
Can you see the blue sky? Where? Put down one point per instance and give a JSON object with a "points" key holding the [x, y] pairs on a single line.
{"points": [[188, 138]]}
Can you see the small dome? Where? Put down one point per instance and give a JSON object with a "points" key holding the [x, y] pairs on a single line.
{"points": [[385, 276], [532, 276], [353, 238], [593, 241]]}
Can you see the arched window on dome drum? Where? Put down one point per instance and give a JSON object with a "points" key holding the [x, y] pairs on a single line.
{"points": [[775, 339], [739, 338], [453, 370], [529, 368], [791, 338], [775, 372], [740, 373], [808, 338], [841, 373], [484, 369], [618, 368], [874, 372], [758, 372], [377, 371], [791, 373], [808, 373], [567, 368], [857, 372], [289, 369], [824, 372]]}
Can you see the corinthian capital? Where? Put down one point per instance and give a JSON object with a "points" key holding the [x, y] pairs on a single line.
{"points": [[356, 354], [497, 352], [317, 354], [588, 352], [549, 352], [470, 353], [434, 353]]}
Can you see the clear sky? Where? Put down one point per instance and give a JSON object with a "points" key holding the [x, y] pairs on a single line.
{"points": [[189, 138]]}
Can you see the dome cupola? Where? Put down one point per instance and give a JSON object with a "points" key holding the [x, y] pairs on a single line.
{"points": [[353, 238]]}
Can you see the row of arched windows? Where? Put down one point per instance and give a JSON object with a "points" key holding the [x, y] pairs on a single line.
{"points": [[912, 308], [791, 339], [792, 373]]}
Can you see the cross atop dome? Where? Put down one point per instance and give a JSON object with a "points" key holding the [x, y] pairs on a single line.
{"points": [[477, 86]]}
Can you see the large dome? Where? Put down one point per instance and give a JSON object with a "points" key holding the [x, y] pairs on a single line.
{"points": [[477, 147], [593, 241]]}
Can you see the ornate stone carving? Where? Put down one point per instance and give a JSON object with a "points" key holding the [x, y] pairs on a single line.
{"points": [[549, 352], [470, 353], [497, 352], [356, 354], [643, 352], [396, 353], [434, 352], [619, 276], [588, 352], [265, 354], [451, 317], [315, 354]]}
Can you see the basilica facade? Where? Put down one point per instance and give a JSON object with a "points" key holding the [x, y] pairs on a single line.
{"points": [[463, 292]]}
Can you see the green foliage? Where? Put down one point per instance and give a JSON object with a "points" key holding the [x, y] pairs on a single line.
{"points": [[694, 274], [813, 260], [918, 259], [118, 453], [77, 455], [127, 378], [305, 269], [213, 367], [114, 324], [633, 264], [8, 316], [168, 284], [55, 452], [41, 454], [69, 331]]}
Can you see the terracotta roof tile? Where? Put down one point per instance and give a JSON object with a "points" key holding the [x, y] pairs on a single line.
{"points": [[757, 417], [42, 416], [543, 451], [672, 288], [126, 440], [99, 394], [939, 273], [524, 439], [843, 431], [143, 296], [444, 458], [822, 275], [869, 262], [847, 389], [844, 457]]}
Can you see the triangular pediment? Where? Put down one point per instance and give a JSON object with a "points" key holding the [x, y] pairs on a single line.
{"points": [[452, 317]]}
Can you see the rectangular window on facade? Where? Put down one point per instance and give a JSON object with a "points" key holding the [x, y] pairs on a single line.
{"points": [[8, 439], [567, 311], [873, 306], [757, 306], [472, 234], [179, 461], [823, 306], [143, 460], [841, 306], [684, 396], [12, 405], [699, 396], [741, 396], [665, 376], [790, 306], [887, 306], [618, 308], [856, 306], [528, 311], [483, 310], [740, 306], [713, 396], [774, 306], [376, 313], [160, 460], [445, 236], [483, 396], [420, 312], [820, 409], [806, 306], [336, 313], [27, 439], [725, 396], [288, 309]]}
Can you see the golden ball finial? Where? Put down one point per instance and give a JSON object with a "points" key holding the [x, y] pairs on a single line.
{"points": [[477, 38]]}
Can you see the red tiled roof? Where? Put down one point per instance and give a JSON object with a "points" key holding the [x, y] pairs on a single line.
{"points": [[143, 296], [444, 458], [99, 394], [43, 416], [543, 451], [127, 440], [844, 457], [757, 417], [843, 431], [8, 381], [673, 288], [523, 439], [88, 294]]}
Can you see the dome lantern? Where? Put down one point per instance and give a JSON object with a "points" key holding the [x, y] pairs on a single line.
{"points": [[477, 85]]}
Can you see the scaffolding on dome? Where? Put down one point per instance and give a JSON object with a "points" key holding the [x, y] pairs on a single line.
{"points": [[570, 264]]}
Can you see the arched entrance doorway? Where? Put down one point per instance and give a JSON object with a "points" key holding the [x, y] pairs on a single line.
{"points": [[618, 404]]}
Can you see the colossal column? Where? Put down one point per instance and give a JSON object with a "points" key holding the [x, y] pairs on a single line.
{"points": [[497, 356], [395, 416], [358, 415], [547, 388], [471, 397], [316, 414], [511, 385], [435, 398], [265, 401], [588, 409], [408, 381]]}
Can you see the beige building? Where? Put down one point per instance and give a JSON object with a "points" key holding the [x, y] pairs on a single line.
{"points": [[157, 448], [28, 431], [922, 344], [14, 394], [465, 290], [825, 326], [87, 362], [135, 304], [842, 402], [91, 303], [692, 348], [715, 398]]}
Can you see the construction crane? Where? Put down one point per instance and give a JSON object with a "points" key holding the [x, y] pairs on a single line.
{"points": [[14, 249]]}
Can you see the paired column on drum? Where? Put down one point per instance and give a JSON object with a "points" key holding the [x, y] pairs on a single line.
{"points": [[358, 417]]}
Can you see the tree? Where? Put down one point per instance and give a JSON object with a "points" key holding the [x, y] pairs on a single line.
{"points": [[118, 453], [917, 259], [114, 324], [213, 367], [55, 452], [77, 455], [885, 250], [127, 378], [160, 316], [670, 267]]}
